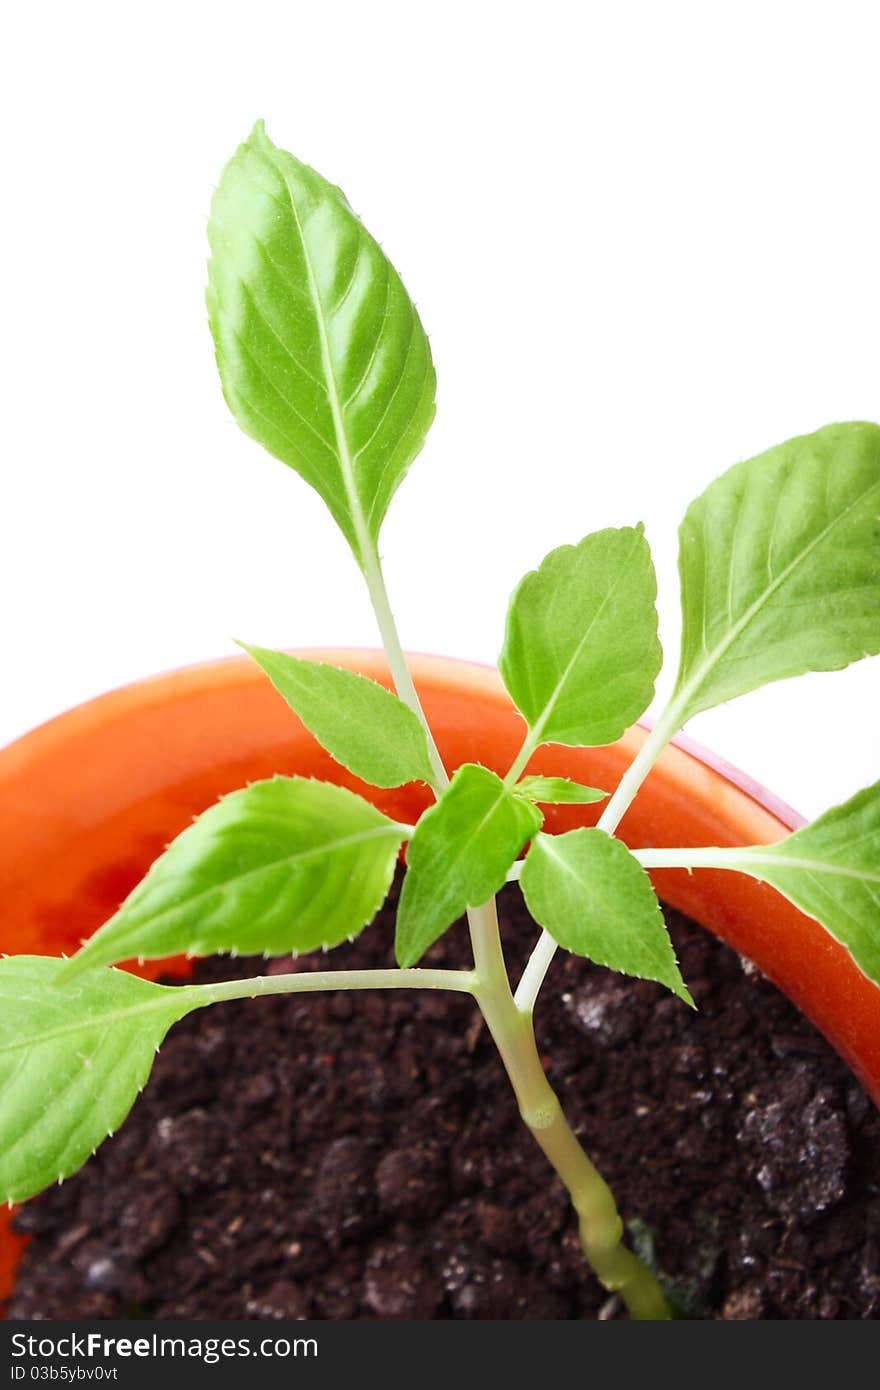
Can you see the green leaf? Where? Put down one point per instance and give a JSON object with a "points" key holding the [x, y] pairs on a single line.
{"points": [[580, 650], [321, 354], [557, 791], [459, 856], [71, 1063], [360, 723], [780, 567], [283, 865], [592, 896], [831, 871]]}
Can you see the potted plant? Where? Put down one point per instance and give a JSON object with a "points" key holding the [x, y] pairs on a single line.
{"points": [[323, 360]]}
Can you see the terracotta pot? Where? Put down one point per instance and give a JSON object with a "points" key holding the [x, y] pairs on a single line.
{"points": [[88, 800]]}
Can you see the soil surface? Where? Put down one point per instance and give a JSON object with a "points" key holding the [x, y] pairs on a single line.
{"points": [[361, 1156]]}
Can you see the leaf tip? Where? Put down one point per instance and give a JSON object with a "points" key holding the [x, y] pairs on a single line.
{"points": [[683, 993], [405, 956]]}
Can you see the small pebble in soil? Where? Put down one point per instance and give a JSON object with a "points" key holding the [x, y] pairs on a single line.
{"points": [[282, 1300], [801, 1149], [344, 1189], [745, 1304], [604, 1009], [412, 1181], [399, 1283]]}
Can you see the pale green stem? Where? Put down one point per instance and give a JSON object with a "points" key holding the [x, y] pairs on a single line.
{"points": [[729, 857], [400, 672], [599, 1223], [667, 727], [687, 858], [542, 956], [317, 981], [535, 973], [518, 766], [489, 965]]}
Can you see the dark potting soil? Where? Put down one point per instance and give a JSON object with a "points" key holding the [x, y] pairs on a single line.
{"points": [[361, 1156]]}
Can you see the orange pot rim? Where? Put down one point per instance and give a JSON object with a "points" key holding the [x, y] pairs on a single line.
{"points": [[158, 683]]}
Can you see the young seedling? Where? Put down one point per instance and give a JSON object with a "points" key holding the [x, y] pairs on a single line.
{"points": [[324, 361]]}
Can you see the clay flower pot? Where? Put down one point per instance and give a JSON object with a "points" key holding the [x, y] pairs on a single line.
{"points": [[90, 799]]}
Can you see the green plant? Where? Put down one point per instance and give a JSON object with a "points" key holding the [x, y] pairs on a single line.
{"points": [[324, 361]]}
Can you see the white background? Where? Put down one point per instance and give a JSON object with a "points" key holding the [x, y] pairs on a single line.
{"points": [[643, 237]]}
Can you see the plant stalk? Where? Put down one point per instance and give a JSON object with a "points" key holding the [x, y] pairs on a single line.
{"points": [[400, 672], [708, 857], [520, 762], [317, 981], [599, 1224], [625, 793]]}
